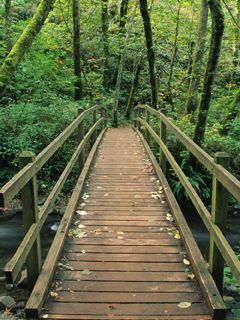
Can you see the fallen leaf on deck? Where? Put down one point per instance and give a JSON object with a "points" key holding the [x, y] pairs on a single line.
{"points": [[191, 276], [82, 213], [53, 294], [86, 272], [45, 316], [184, 305], [186, 262], [81, 226], [83, 251]]}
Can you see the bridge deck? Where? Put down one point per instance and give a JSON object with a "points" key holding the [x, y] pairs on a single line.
{"points": [[123, 257]]}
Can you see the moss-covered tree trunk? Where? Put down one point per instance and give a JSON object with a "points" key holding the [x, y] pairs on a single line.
{"points": [[193, 92], [24, 43], [215, 47], [77, 51], [136, 74], [105, 43], [236, 56], [150, 50], [123, 14], [8, 24], [173, 58]]}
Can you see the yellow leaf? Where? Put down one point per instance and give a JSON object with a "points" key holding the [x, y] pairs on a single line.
{"points": [[187, 262], [184, 305]]}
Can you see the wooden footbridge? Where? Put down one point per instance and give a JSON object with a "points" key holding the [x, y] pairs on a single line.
{"points": [[123, 249]]}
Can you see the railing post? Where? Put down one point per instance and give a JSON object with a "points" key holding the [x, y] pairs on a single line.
{"points": [[80, 136], [115, 118], [94, 135], [29, 197], [147, 134], [138, 116], [219, 217], [103, 115], [163, 137]]}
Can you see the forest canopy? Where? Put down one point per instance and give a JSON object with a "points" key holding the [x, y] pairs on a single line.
{"points": [[179, 56]]}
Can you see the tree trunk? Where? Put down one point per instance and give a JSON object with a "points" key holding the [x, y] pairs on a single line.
{"points": [[123, 14], [24, 43], [174, 54], [123, 54], [105, 43], [236, 58], [137, 70], [192, 100], [215, 47], [150, 51], [8, 23], [77, 52], [190, 62]]}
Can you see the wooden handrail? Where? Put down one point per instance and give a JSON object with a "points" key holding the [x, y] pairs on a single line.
{"points": [[13, 267], [11, 188], [23, 181], [231, 184]]}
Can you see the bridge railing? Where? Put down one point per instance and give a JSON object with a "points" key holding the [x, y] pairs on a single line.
{"points": [[25, 182], [224, 183]]}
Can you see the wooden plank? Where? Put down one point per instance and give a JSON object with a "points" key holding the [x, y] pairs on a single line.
{"points": [[126, 297], [215, 302], [124, 257], [102, 309], [140, 265], [125, 223], [124, 317], [103, 286], [120, 249], [39, 292], [122, 276], [126, 242]]}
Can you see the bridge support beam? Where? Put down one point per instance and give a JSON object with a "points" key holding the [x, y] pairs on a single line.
{"points": [[29, 197], [219, 217]]}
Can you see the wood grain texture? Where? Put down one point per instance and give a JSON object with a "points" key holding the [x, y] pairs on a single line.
{"points": [[122, 259]]}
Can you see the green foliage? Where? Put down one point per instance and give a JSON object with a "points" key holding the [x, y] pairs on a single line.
{"points": [[31, 127], [199, 180]]}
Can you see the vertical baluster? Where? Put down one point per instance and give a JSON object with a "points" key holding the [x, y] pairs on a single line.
{"points": [[29, 197], [80, 136], [219, 217], [147, 134], [163, 137]]}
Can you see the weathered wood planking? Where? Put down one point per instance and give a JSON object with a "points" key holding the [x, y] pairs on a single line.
{"points": [[128, 265]]}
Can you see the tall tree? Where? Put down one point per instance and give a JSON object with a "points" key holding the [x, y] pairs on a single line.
{"points": [[136, 74], [105, 43], [193, 92], [215, 47], [8, 23], [24, 43], [122, 58], [77, 51], [173, 58], [123, 14], [236, 56], [150, 50]]}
